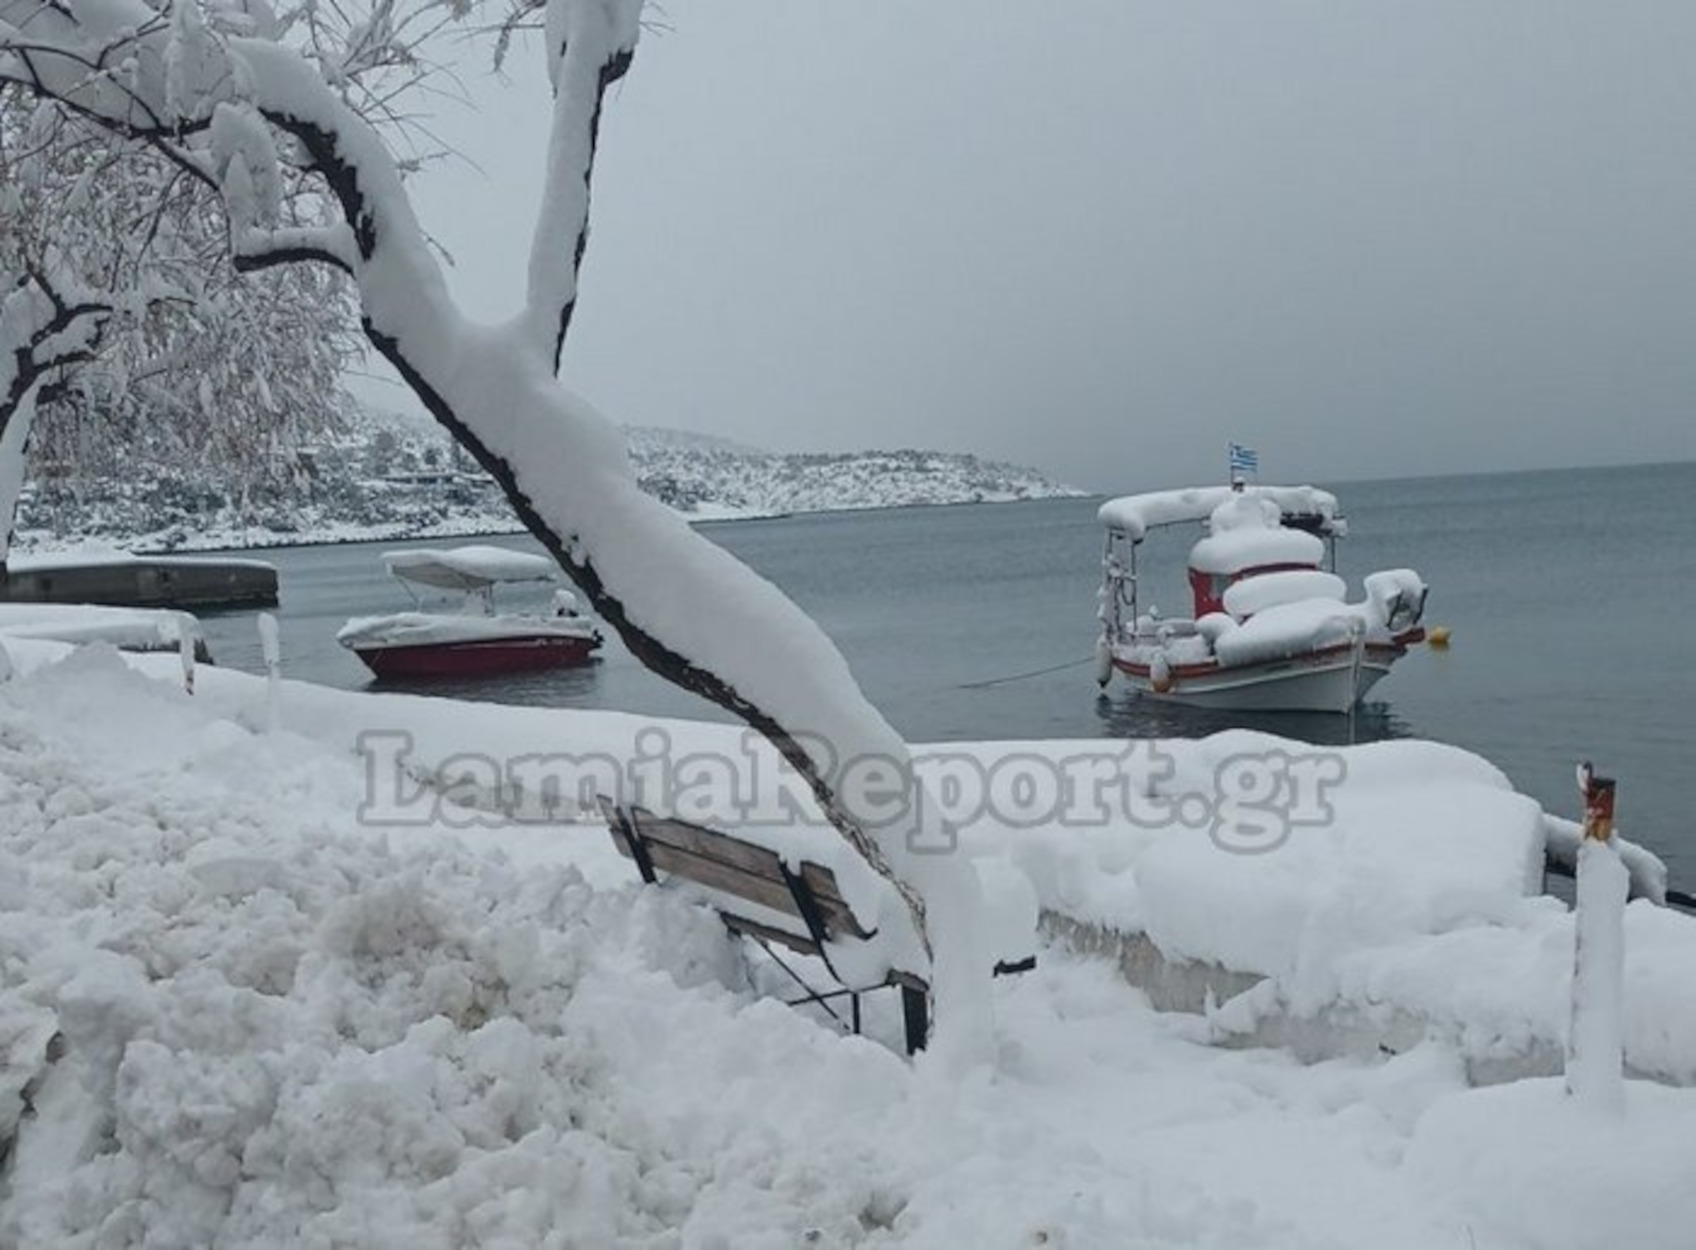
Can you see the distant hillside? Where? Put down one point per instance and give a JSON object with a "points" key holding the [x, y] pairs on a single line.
{"points": [[388, 476], [709, 477]]}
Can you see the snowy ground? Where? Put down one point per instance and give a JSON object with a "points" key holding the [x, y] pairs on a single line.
{"points": [[234, 1014]]}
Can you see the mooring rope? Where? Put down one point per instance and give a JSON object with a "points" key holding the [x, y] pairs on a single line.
{"points": [[1035, 672]]}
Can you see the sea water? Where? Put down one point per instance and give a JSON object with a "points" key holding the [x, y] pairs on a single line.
{"points": [[1570, 596]]}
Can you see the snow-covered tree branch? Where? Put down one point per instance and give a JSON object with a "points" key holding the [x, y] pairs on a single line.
{"points": [[241, 105], [175, 356], [42, 332]]}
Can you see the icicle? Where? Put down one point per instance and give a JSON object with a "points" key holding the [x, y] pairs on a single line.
{"points": [[186, 636], [270, 646]]}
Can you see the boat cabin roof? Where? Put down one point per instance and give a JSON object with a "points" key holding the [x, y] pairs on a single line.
{"points": [[468, 568], [1303, 508]]}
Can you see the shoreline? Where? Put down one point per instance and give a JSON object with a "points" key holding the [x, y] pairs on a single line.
{"points": [[272, 540]]}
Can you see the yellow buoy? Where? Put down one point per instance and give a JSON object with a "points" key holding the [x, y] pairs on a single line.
{"points": [[1438, 637]]}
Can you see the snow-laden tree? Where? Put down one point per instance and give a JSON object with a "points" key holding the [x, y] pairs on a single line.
{"points": [[240, 96], [131, 343]]}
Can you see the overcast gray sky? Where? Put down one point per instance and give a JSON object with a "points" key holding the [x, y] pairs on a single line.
{"points": [[1106, 237]]}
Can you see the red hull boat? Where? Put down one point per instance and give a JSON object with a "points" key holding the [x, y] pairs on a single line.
{"points": [[475, 642], [479, 659]]}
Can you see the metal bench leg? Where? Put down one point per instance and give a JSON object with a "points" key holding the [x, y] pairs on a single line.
{"points": [[915, 1007]]}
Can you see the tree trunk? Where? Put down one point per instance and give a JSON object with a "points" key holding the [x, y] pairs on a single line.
{"points": [[683, 606]]}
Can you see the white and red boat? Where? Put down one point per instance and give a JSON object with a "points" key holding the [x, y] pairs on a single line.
{"points": [[1271, 630], [476, 641]]}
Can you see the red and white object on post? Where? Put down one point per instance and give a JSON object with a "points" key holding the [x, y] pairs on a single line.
{"points": [[1598, 793]]}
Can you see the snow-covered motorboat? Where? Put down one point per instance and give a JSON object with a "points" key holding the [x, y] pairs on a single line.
{"points": [[475, 642], [1271, 630]]}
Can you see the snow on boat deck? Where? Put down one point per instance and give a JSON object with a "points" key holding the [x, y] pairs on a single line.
{"points": [[278, 1024]]}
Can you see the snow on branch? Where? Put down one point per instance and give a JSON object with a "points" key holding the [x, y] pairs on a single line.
{"points": [[590, 46], [256, 248], [180, 354], [682, 605]]}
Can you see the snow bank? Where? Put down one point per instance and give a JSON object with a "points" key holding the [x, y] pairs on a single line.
{"points": [[1532, 1166], [1415, 890], [1396, 856], [1412, 910], [142, 629], [483, 764], [237, 1015], [1399, 839]]}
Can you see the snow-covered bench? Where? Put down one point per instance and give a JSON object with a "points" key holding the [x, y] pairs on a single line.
{"points": [[760, 897]]}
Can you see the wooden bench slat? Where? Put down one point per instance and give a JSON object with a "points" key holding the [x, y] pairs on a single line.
{"points": [[708, 843], [753, 928], [750, 857], [718, 874], [745, 870]]}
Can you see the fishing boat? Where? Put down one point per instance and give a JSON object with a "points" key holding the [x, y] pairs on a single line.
{"points": [[1270, 628], [475, 641]]}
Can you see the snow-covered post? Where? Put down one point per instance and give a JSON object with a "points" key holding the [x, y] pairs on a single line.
{"points": [[1595, 1040], [5, 663], [270, 647]]}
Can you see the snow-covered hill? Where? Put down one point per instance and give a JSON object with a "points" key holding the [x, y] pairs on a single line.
{"points": [[712, 477], [387, 476]]}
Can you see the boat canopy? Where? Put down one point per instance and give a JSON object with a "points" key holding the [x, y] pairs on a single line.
{"points": [[1303, 507], [469, 568]]}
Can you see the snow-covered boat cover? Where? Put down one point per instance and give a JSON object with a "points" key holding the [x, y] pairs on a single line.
{"points": [[1269, 590], [1229, 551], [424, 629], [1135, 515], [468, 568]]}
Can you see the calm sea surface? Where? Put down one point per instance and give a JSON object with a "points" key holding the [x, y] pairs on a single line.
{"points": [[1571, 596]]}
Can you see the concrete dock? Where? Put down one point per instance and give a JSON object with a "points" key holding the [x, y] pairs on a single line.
{"points": [[141, 581]]}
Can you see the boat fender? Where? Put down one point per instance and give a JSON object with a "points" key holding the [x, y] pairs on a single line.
{"points": [[1103, 661], [1160, 675]]}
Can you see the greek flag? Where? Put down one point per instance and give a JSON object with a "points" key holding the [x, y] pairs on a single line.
{"points": [[1244, 459]]}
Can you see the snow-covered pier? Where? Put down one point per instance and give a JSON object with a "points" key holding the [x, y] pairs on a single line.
{"points": [[122, 580]]}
